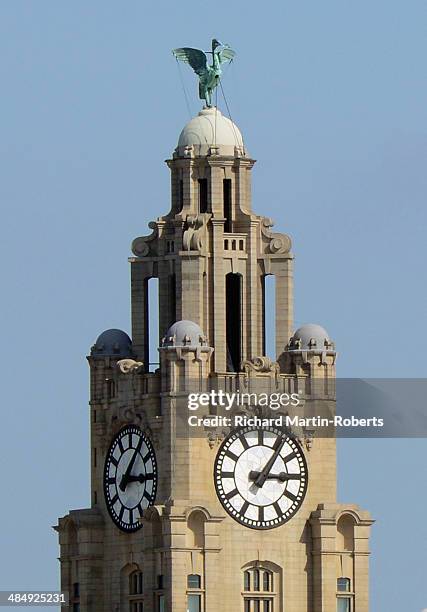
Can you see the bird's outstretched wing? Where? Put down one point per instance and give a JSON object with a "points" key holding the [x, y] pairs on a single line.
{"points": [[196, 58], [226, 55]]}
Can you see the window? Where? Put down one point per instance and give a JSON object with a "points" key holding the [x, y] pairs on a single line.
{"points": [[344, 603], [343, 584], [233, 321], [76, 589], [203, 195], [247, 578], [194, 603], [194, 594], [136, 588], [181, 195], [136, 583], [76, 607], [194, 581], [258, 594], [227, 205], [161, 603]]}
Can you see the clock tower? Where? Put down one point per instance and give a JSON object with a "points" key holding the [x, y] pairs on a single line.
{"points": [[227, 510]]}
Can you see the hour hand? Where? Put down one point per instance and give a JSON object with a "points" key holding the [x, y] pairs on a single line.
{"points": [[282, 476], [140, 478]]}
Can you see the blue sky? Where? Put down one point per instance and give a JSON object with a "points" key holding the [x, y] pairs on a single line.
{"points": [[331, 99]]}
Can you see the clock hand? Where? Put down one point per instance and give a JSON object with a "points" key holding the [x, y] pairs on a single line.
{"points": [[283, 476], [125, 478], [140, 478], [263, 475]]}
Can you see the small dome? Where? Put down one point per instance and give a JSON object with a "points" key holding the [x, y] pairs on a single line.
{"points": [[184, 334], [112, 343], [211, 129], [311, 337]]}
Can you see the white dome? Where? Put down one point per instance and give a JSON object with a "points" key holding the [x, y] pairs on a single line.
{"points": [[211, 129], [311, 337], [184, 334]]}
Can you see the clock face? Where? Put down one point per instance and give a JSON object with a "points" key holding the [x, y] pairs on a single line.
{"points": [[260, 476], [130, 477]]}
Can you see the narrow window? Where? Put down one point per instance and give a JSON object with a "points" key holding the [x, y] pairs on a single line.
{"points": [[76, 589], [247, 581], [256, 580], [180, 195], [226, 189], [233, 321], [161, 603], [344, 604], [267, 582], [343, 584], [94, 457], [269, 315], [194, 603], [194, 581], [152, 326], [203, 195], [172, 299]]}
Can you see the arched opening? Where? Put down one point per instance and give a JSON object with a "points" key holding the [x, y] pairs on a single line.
{"points": [[152, 325], [227, 205], [261, 587], [269, 315], [203, 195], [233, 321], [345, 533], [196, 530]]}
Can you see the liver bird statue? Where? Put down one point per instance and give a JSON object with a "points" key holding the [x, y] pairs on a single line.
{"points": [[209, 75]]}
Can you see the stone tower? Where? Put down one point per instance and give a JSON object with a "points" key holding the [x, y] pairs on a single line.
{"points": [[157, 537]]}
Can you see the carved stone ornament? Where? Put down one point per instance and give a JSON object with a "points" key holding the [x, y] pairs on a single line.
{"points": [[278, 243], [129, 366], [260, 364], [192, 239], [141, 246]]}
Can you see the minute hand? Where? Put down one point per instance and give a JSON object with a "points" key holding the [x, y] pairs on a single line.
{"points": [[125, 478], [259, 482]]}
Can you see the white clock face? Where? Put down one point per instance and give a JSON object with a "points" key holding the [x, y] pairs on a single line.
{"points": [[130, 477], [260, 476]]}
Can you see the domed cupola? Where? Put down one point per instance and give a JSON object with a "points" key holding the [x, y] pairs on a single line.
{"points": [[112, 343], [311, 337], [184, 334], [210, 133]]}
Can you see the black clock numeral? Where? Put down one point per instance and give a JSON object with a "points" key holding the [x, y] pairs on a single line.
{"points": [[140, 510], [289, 457], [122, 450], [147, 496], [231, 455], [114, 499], [122, 511], [114, 461], [260, 437], [261, 514], [131, 515], [277, 508], [244, 442], [231, 494], [111, 481], [244, 508], [146, 456], [130, 441], [290, 495], [149, 476], [227, 474]]}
